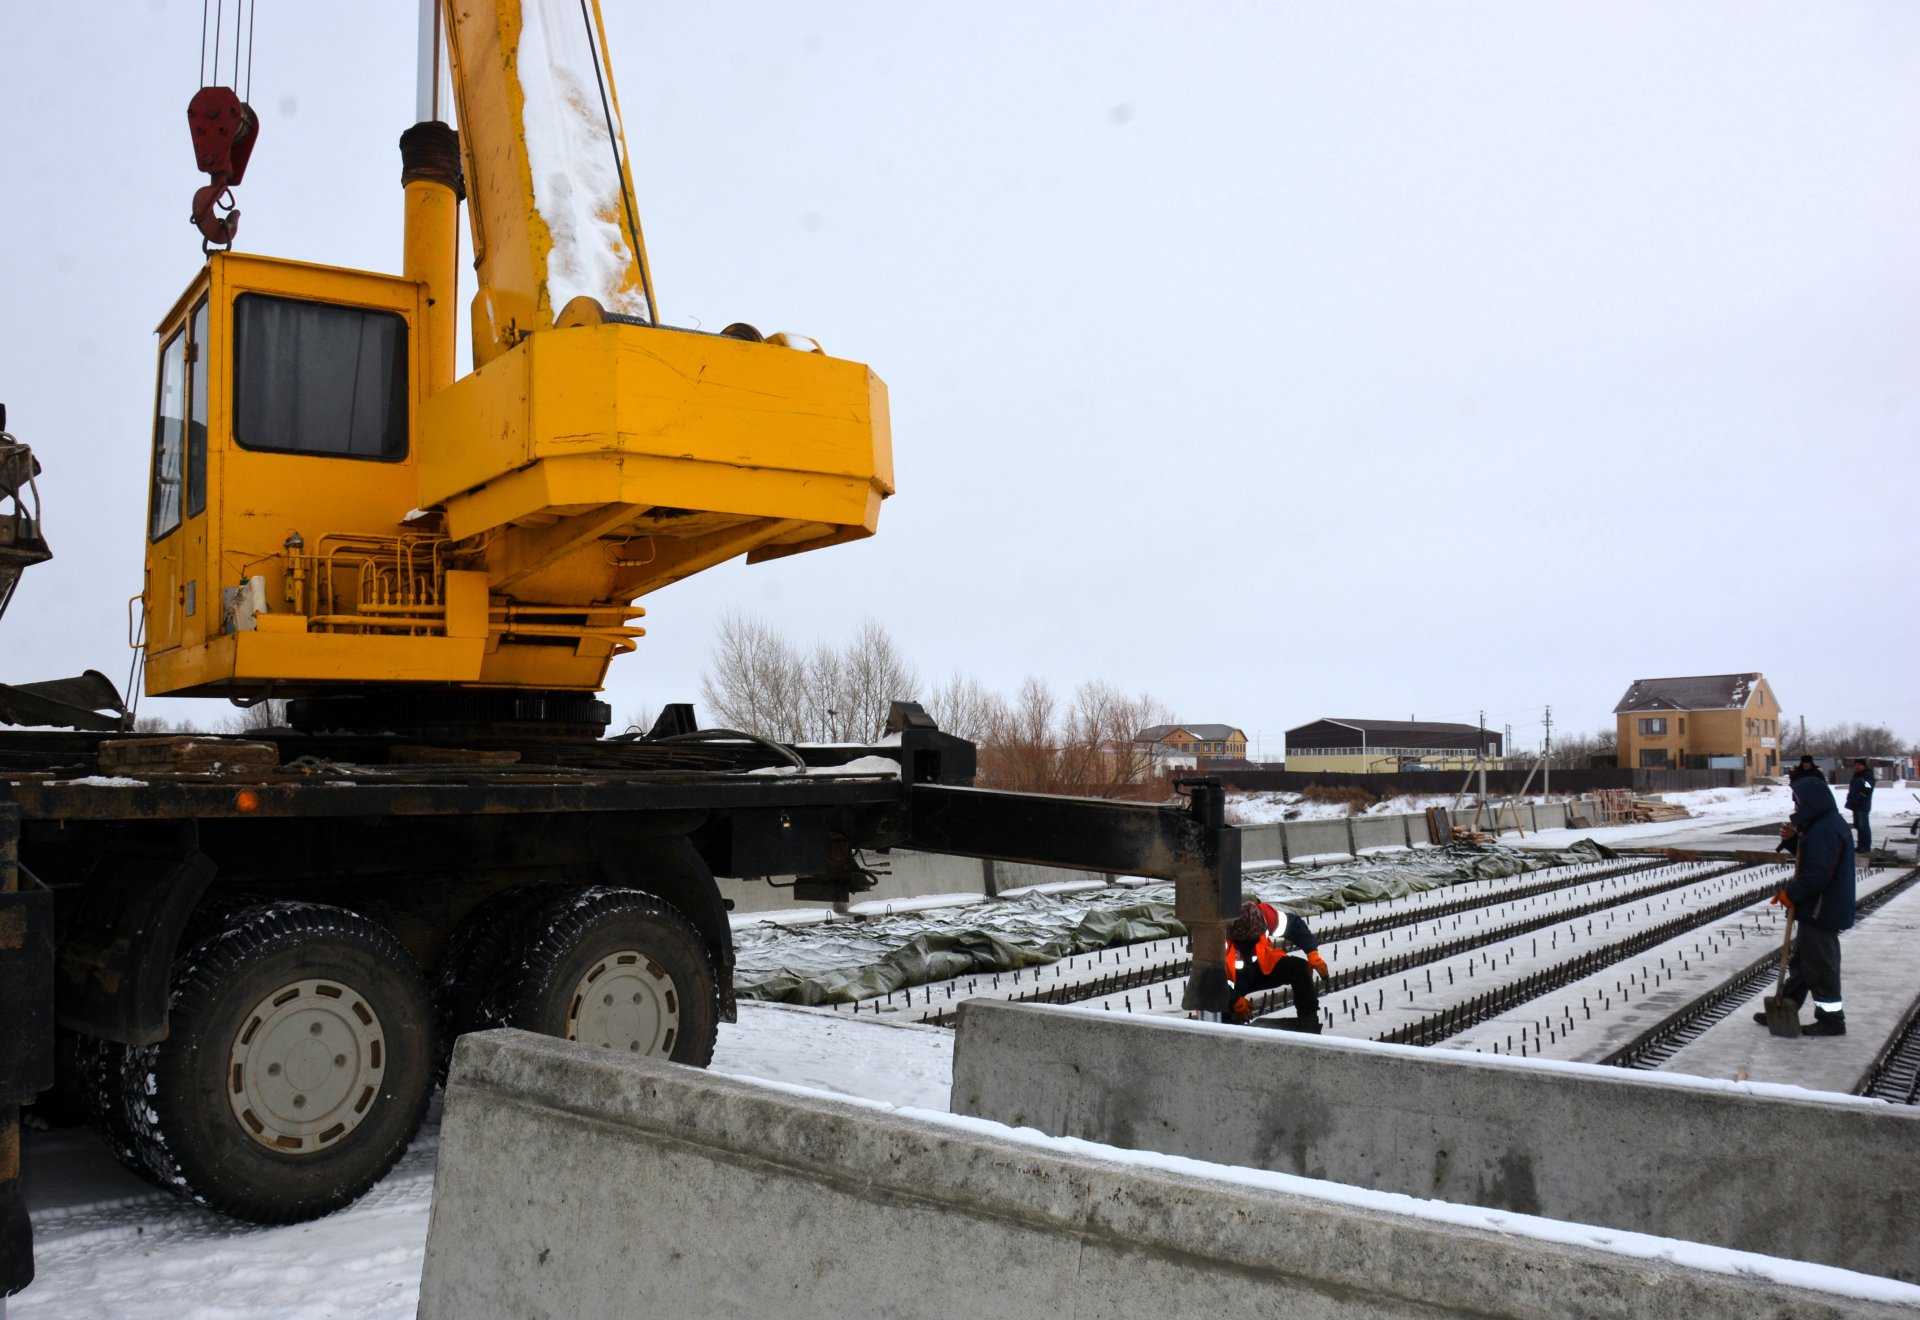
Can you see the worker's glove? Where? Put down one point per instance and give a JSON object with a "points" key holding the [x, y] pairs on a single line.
{"points": [[1242, 1011], [1319, 964], [1782, 900]]}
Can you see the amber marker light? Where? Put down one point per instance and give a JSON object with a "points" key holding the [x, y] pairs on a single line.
{"points": [[246, 800]]}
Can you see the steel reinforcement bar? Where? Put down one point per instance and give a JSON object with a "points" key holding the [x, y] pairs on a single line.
{"points": [[1665, 1038], [1273, 1000], [1393, 920]]}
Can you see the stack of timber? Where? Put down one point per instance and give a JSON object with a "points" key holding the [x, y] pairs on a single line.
{"points": [[185, 754], [1651, 809], [1614, 805]]}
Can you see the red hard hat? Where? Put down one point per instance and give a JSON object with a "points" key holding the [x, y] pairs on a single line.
{"points": [[1272, 917]]}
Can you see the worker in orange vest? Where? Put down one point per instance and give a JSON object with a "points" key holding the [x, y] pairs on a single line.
{"points": [[1257, 960]]}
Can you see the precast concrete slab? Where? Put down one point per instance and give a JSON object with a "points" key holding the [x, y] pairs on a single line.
{"points": [[1880, 979], [577, 1182], [1767, 1169], [1586, 1020], [1317, 838]]}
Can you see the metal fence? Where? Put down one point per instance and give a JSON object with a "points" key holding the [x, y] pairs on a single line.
{"points": [[1499, 782]]}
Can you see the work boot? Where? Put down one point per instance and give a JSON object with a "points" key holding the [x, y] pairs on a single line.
{"points": [[1826, 1024], [1307, 1025]]}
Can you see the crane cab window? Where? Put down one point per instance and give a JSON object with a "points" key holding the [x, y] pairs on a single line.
{"points": [[169, 439], [318, 378], [180, 430]]}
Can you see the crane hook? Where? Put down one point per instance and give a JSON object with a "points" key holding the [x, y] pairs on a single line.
{"points": [[224, 130]]}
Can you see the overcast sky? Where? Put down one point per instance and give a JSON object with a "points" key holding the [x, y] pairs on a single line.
{"points": [[1282, 361]]}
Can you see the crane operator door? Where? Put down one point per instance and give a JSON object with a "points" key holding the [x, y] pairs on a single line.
{"points": [[177, 494]]}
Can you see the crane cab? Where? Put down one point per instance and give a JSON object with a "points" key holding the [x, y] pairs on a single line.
{"points": [[284, 459]]}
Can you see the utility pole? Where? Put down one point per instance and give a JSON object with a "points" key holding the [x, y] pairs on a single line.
{"points": [[1481, 758], [1546, 759], [1506, 749]]}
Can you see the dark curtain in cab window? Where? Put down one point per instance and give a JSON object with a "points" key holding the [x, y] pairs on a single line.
{"points": [[314, 378]]}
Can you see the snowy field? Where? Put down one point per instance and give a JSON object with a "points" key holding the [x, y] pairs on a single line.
{"points": [[110, 1246]]}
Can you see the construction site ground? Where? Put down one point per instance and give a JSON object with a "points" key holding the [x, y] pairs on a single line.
{"points": [[110, 1245]]}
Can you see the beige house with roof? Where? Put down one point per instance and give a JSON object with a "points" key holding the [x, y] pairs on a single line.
{"points": [[1174, 743], [1681, 723]]}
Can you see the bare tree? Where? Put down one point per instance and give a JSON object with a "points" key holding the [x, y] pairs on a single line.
{"points": [[759, 682], [1019, 748], [260, 715], [754, 681], [876, 675], [160, 724], [1579, 751], [963, 707], [826, 716], [1100, 754], [1849, 739]]}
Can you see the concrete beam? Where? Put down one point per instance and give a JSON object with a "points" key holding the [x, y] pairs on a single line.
{"points": [[1803, 1175], [574, 1182]]}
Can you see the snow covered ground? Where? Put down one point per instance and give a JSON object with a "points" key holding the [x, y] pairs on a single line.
{"points": [[108, 1245]]}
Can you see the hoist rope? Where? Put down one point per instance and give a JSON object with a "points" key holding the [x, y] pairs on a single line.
{"points": [[614, 141], [202, 70], [243, 15], [253, 12]]}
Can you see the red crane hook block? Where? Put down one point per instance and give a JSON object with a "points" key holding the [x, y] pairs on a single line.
{"points": [[224, 131]]}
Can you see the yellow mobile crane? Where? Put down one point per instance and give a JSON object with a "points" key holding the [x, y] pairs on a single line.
{"points": [[337, 514], [258, 947]]}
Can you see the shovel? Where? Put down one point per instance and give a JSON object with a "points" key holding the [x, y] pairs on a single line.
{"points": [[1783, 1015]]}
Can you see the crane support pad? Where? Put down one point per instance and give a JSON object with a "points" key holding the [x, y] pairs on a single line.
{"points": [[1091, 834]]}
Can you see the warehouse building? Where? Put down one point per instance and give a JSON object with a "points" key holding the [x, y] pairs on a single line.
{"points": [[1386, 746]]}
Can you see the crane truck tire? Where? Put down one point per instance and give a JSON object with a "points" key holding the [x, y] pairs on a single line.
{"points": [[475, 956], [296, 1070], [617, 969], [106, 1073]]}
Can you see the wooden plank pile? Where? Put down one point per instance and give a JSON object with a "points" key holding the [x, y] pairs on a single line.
{"points": [[1646, 810], [185, 754]]}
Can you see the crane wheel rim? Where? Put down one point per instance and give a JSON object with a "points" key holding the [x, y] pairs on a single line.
{"points": [[306, 1066], [625, 1002]]}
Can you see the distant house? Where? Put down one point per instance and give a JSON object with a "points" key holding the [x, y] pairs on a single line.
{"points": [[1698, 721], [1186, 746], [1384, 746]]}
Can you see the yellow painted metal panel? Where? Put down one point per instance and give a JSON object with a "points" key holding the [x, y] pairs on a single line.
{"points": [[633, 390], [466, 604]]}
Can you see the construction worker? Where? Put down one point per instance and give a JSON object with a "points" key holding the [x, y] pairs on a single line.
{"points": [[1256, 960], [1821, 899], [1860, 803]]}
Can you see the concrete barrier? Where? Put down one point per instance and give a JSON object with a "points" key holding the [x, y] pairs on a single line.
{"points": [[1263, 843], [1775, 1170], [1315, 838], [574, 1182], [1382, 832]]}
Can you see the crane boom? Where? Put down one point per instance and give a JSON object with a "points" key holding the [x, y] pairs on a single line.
{"points": [[551, 200]]}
